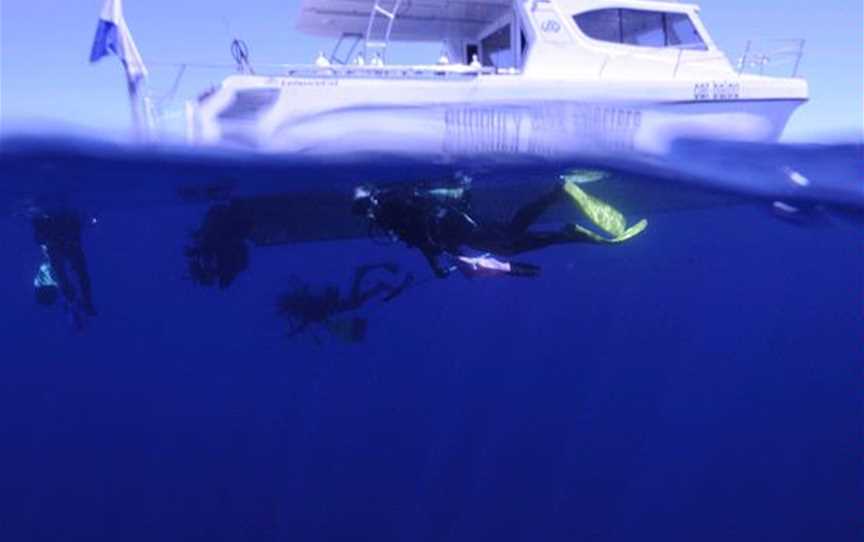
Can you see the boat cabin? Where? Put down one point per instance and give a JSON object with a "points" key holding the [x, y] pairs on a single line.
{"points": [[551, 38]]}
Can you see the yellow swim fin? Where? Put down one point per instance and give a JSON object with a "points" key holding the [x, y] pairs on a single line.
{"points": [[602, 215], [580, 231]]}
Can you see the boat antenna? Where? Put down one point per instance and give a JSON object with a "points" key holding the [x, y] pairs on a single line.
{"points": [[240, 52]]}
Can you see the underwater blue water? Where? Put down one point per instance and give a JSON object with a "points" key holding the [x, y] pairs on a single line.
{"points": [[701, 382]]}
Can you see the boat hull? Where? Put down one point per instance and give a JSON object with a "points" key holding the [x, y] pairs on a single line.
{"points": [[467, 118]]}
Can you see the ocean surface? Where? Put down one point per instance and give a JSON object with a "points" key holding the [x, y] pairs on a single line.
{"points": [[700, 382]]}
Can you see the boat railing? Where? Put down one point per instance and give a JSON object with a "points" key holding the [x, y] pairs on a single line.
{"points": [[378, 71], [756, 57], [764, 55], [391, 71]]}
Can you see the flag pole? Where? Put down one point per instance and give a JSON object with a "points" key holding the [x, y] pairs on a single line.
{"points": [[143, 122], [113, 37], [135, 107]]}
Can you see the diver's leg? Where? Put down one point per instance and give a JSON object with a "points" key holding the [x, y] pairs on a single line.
{"points": [[359, 298], [396, 290], [361, 272], [388, 290], [530, 241], [529, 214], [58, 266], [362, 297], [78, 263]]}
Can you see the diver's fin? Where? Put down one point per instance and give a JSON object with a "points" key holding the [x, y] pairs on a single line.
{"points": [[602, 215], [581, 232]]}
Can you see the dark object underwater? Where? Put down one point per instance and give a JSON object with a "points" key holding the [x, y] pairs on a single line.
{"points": [[305, 306], [59, 237], [219, 250]]}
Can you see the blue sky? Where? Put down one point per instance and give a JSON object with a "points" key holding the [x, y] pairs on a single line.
{"points": [[44, 72]]}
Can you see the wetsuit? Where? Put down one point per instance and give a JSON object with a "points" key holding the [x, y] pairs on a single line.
{"points": [[60, 235], [421, 221], [439, 226]]}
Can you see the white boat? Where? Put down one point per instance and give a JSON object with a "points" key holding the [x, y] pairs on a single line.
{"points": [[541, 78], [576, 83]]}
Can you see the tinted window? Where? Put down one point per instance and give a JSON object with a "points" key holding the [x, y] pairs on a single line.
{"points": [[640, 27], [496, 49], [603, 24], [681, 32]]}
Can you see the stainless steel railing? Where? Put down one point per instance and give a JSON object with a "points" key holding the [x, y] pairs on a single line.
{"points": [[766, 54]]}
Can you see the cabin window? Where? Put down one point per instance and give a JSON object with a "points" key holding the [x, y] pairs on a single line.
{"points": [[640, 27], [681, 32], [497, 51], [602, 24]]}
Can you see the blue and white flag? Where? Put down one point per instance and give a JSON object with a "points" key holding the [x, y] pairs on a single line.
{"points": [[112, 36]]}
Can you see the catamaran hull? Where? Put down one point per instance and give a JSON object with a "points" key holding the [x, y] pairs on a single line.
{"points": [[544, 129]]}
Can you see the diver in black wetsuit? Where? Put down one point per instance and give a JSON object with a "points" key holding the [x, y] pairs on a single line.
{"points": [[59, 236], [439, 222], [219, 250], [303, 307]]}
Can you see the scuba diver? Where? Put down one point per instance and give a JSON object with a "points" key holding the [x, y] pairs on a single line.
{"points": [[440, 222], [436, 221], [303, 306], [59, 237], [219, 251]]}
